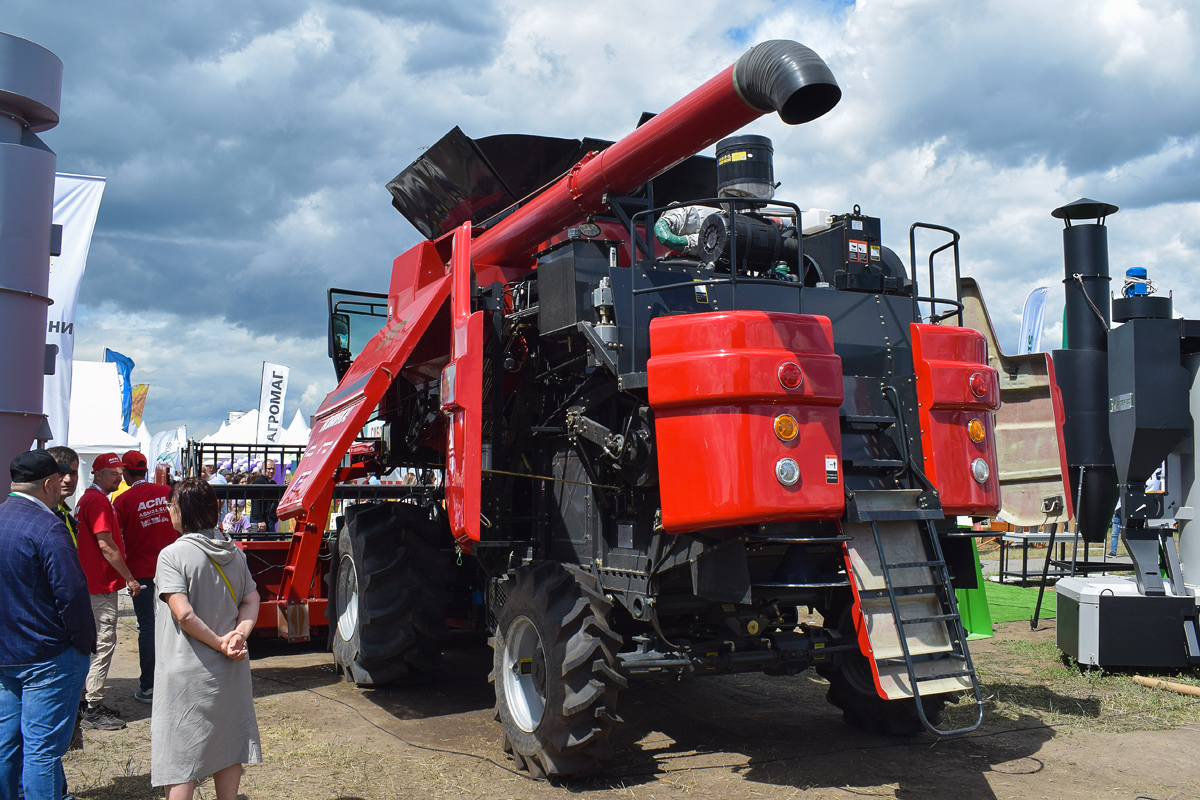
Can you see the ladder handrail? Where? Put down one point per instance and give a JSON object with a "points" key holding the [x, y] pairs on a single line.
{"points": [[958, 637]]}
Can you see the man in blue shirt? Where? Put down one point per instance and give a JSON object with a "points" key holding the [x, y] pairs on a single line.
{"points": [[46, 630]]}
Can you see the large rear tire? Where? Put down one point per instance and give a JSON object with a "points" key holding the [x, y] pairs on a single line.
{"points": [[388, 604], [555, 671], [852, 689]]}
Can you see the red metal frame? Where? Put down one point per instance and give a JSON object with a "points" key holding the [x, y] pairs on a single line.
{"points": [[272, 579], [1060, 418], [713, 386], [945, 358], [462, 399]]}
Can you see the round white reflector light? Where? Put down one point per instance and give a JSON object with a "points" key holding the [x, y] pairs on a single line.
{"points": [[787, 471], [980, 470]]}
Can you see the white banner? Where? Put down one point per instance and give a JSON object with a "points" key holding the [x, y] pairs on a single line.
{"points": [[1031, 321], [76, 201], [167, 448], [270, 403]]}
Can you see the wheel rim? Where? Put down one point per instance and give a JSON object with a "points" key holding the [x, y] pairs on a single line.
{"points": [[347, 595], [524, 668]]}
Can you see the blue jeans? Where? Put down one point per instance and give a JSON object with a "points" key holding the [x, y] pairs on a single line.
{"points": [[1116, 532], [143, 607], [38, 703]]}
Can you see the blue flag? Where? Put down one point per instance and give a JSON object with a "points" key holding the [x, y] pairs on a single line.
{"points": [[124, 370]]}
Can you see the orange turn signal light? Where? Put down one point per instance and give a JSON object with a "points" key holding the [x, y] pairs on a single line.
{"points": [[976, 431], [786, 427]]}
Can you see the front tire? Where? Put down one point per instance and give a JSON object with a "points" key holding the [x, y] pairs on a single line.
{"points": [[389, 599], [555, 671]]}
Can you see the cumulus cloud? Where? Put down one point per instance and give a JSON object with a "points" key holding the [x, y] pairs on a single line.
{"points": [[247, 146]]}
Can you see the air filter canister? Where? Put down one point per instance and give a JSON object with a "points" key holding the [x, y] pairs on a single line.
{"points": [[745, 167]]}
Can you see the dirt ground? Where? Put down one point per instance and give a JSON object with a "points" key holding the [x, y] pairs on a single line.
{"points": [[1050, 732]]}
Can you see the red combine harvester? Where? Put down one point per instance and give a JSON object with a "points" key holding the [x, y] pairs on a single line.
{"points": [[668, 422]]}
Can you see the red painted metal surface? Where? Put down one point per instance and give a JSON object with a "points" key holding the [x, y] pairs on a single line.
{"points": [[708, 114], [268, 561], [713, 385], [945, 358], [347, 408], [462, 399], [862, 634], [1060, 418]]}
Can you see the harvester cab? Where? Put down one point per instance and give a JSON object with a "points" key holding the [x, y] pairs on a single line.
{"points": [[670, 427]]}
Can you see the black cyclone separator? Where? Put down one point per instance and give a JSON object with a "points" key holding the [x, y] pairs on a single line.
{"points": [[785, 76]]}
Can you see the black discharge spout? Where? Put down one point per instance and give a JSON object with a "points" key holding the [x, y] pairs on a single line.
{"points": [[1082, 368]]}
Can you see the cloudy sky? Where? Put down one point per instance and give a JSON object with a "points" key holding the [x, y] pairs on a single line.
{"points": [[247, 144]]}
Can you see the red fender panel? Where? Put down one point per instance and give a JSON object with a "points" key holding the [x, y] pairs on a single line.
{"points": [[945, 359], [713, 383]]}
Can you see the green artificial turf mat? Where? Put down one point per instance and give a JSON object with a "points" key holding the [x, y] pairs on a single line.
{"points": [[1009, 603]]}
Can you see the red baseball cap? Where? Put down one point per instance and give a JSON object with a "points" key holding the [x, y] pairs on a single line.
{"points": [[106, 460], [133, 460]]}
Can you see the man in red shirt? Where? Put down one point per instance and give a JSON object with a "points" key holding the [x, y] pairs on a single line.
{"points": [[106, 572], [146, 529]]}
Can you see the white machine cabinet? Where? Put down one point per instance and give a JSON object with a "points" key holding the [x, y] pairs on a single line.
{"points": [[1103, 621]]}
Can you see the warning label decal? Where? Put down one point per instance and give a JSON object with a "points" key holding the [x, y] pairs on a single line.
{"points": [[831, 469], [858, 250]]}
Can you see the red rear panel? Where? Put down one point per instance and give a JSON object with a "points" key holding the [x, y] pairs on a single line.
{"points": [[714, 387], [945, 359]]}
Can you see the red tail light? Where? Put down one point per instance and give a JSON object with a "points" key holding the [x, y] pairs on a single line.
{"points": [[979, 384], [790, 375]]}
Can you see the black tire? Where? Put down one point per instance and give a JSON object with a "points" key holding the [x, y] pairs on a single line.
{"points": [[553, 645], [388, 617], [852, 689]]}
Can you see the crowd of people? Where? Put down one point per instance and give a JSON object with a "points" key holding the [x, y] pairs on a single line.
{"points": [[61, 572], [245, 516]]}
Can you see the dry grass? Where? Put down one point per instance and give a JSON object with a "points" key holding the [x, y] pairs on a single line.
{"points": [[1030, 682]]}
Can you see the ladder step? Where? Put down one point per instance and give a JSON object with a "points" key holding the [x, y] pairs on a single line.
{"points": [[926, 590], [914, 564], [958, 673], [797, 539], [875, 463], [867, 423], [937, 618]]}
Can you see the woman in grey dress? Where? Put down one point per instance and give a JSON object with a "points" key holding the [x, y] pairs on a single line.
{"points": [[203, 720]]}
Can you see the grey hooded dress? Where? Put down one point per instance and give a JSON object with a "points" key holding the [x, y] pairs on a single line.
{"points": [[203, 716]]}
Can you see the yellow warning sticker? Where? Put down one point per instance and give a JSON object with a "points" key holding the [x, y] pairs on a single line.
{"points": [[738, 156], [526, 666]]}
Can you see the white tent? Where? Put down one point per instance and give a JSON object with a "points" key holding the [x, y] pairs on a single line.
{"points": [[297, 433], [244, 429], [241, 431], [95, 425]]}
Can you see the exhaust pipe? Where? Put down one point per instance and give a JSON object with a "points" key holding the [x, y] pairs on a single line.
{"points": [[1082, 368], [781, 76]]}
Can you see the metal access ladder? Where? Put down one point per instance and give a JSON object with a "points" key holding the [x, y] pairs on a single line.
{"points": [[907, 604]]}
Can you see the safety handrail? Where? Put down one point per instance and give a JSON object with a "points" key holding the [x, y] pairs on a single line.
{"points": [[933, 300]]}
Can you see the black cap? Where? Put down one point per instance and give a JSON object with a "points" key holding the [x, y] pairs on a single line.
{"points": [[34, 466]]}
